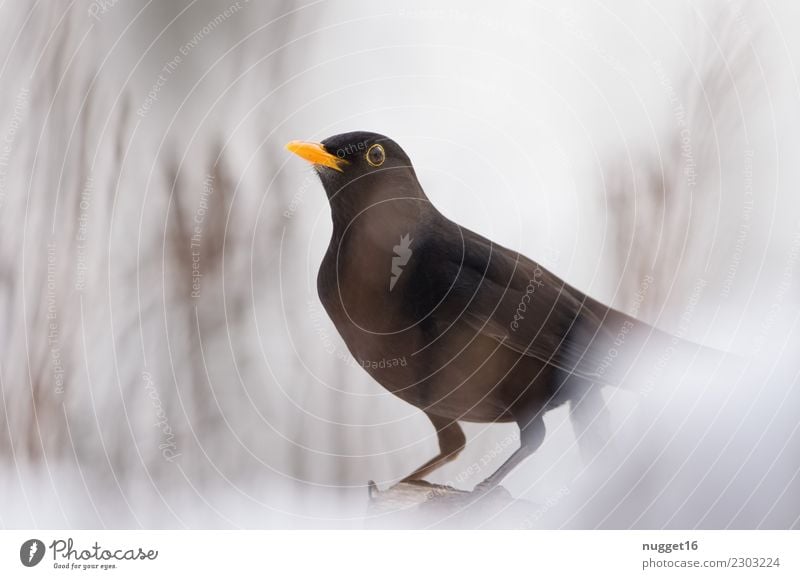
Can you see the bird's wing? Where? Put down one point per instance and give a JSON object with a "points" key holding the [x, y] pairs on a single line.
{"points": [[504, 295]]}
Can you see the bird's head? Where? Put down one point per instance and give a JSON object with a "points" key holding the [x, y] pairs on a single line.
{"points": [[360, 168]]}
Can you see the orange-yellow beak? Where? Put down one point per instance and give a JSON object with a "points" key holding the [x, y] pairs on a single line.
{"points": [[316, 153]]}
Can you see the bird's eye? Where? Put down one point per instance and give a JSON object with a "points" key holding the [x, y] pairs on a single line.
{"points": [[376, 155]]}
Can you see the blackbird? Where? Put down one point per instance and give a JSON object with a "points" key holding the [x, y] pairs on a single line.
{"points": [[453, 323]]}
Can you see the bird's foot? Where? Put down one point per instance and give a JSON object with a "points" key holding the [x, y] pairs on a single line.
{"points": [[491, 489], [414, 481]]}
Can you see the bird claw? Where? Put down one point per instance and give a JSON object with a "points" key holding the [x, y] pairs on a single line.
{"points": [[482, 488], [487, 488]]}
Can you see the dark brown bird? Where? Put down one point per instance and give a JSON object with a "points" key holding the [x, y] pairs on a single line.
{"points": [[451, 322]]}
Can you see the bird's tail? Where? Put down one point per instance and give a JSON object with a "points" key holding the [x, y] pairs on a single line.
{"points": [[636, 355]]}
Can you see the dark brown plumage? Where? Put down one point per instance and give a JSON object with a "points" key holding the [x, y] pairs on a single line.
{"points": [[449, 321]]}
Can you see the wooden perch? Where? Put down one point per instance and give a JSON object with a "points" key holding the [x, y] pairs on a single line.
{"points": [[420, 504]]}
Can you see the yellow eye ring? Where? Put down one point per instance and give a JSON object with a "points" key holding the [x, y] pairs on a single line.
{"points": [[380, 155]]}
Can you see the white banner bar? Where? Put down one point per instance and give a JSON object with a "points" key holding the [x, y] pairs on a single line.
{"points": [[401, 554]]}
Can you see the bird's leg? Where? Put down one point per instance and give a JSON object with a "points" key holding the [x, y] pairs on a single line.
{"points": [[531, 435], [591, 423], [451, 443]]}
